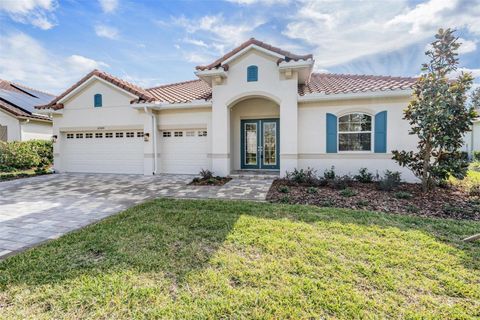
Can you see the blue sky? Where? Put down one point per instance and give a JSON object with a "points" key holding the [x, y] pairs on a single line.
{"points": [[50, 44]]}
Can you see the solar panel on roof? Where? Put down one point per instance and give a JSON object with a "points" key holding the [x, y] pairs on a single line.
{"points": [[21, 100], [43, 98]]}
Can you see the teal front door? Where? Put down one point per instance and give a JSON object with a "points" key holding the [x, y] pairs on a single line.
{"points": [[260, 142]]}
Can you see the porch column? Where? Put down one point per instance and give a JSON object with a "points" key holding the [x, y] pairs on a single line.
{"points": [[220, 136], [288, 134], [57, 149]]}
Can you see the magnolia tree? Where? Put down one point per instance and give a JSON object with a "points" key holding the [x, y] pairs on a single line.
{"points": [[439, 115]]}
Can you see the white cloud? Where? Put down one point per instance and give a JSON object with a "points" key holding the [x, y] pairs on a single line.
{"points": [[38, 13], [340, 33], [197, 57], [24, 60], [109, 6], [267, 2], [467, 46], [195, 42], [106, 31]]}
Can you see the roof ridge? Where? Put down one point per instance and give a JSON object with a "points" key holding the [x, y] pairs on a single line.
{"points": [[173, 84]]}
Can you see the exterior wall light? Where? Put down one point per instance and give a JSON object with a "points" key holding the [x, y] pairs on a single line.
{"points": [[54, 138], [146, 137]]}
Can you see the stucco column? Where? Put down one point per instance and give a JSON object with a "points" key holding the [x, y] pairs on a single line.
{"points": [[57, 160], [288, 134], [220, 139], [148, 152]]}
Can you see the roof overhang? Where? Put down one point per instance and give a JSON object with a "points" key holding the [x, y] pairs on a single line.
{"points": [[302, 67], [250, 47], [355, 95], [172, 106], [49, 112], [211, 76]]}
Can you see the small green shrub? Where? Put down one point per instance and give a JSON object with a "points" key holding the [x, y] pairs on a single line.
{"points": [[475, 166], [302, 176], [312, 190], [206, 174], [363, 203], [347, 193], [476, 155], [285, 199], [22, 155], [341, 183], [284, 189], [329, 174], [390, 181], [412, 209], [327, 203], [364, 176], [403, 195]]}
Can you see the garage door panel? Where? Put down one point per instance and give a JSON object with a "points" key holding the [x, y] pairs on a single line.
{"points": [[103, 155], [184, 154]]}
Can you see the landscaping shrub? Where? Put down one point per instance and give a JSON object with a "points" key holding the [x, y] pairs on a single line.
{"points": [[347, 192], [312, 190], [308, 175], [284, 189], [329, 174], [476, 155], [341, 183], [402, 195], [206, 174], [364, 176], [475, 166], [25, 155], [390, 181]]}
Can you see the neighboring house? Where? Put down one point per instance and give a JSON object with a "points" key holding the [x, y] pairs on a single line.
{"points": [[471, 141], [256, 108], [19, 120]]}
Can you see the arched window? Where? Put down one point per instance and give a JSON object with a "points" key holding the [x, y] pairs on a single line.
{"points": [[97, 100], [252, 73], [355, 132]]}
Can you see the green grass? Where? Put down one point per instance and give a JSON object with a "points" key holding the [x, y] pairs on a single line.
{"points": [[189, 259]]}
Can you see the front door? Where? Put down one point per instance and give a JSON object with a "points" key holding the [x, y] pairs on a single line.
{"points": [[260, 144]]}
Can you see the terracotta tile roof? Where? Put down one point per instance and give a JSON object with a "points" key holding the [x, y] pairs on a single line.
{"points": [[330, 83], [182, 92], [142, 94], [252, 41], [19, 100]]}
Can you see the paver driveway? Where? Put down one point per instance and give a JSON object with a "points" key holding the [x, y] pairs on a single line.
{"points": [[37, 209]]}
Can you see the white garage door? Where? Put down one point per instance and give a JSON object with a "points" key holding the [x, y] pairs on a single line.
{"points": [[103, 152], [183, 151]]}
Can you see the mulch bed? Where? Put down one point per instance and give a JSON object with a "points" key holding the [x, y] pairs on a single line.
{"points": [[15, 176], [451, 202], [214, 181]]}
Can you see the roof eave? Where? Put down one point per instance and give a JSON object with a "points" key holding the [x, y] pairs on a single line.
{"points": [[313, 97]]}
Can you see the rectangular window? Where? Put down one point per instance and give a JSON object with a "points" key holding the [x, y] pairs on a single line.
{"points": [[130, 134], [98, 135], [166, 134], [190, 133], [118, 134], [109, 135], [178, 133], [69, 135], [202, 133], [79, 136], [140, 134], [88, 135]]}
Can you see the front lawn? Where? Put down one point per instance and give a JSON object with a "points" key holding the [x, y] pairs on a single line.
{"points": [[189, 259]]}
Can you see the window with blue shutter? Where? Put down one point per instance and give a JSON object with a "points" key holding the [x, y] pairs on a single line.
{"points": [[331, 133], [381, 132], [97, 100], [252, 73]]}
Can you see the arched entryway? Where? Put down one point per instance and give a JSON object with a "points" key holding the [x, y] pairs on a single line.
{"points": [[255, 134]]}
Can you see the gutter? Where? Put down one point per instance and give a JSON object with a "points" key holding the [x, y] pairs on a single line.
{"points": [[355, 95], [173, 106], [154, 138]]}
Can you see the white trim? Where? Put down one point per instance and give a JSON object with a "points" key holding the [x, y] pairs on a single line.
{"points": [[211, 73], [361, 95], [252, 46], [371, 131], [169, 106], [284, 65], [90, 80]]}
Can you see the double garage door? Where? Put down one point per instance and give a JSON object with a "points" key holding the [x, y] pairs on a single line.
{"points": [[181, 151]]}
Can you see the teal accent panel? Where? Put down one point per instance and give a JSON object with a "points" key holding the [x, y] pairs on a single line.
{"points": [[381, 132], [97, 99], [331, 133], [252, 73]]}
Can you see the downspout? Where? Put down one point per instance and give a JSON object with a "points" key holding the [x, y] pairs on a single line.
{"points": [[154, 138]]}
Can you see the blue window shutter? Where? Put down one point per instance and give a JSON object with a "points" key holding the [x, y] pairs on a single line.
{"points": [[97, 100], [252, 73], [381, 132], [331, 133]]}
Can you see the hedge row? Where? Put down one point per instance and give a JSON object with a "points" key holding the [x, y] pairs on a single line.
{"points": [[25, 155]]}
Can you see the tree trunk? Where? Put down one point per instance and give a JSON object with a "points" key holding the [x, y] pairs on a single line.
{"points": [[426, 167], [472, 238]]}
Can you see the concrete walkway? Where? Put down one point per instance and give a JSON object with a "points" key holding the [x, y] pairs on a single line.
{"points": [[34, 210]]}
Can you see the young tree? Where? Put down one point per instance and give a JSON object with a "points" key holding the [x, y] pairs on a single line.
{"points": [[438, 115]]}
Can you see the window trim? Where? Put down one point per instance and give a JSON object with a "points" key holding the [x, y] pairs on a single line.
{"points": [[371, 131]]}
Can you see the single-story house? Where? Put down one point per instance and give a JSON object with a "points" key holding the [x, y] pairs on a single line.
{"points": [[256, 108], [19, 120]]}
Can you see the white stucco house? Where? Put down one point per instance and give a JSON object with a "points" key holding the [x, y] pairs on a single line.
{"points": [[256, 108], [19, 120]]}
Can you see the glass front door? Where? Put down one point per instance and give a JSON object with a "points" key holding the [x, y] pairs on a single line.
{"points": [[260, 144]]}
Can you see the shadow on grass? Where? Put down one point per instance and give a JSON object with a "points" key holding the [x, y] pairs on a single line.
{"points": [[176, 237]]}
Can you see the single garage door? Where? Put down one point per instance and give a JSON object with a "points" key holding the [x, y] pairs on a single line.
{"points": [[103, 152], [183, 151]]}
